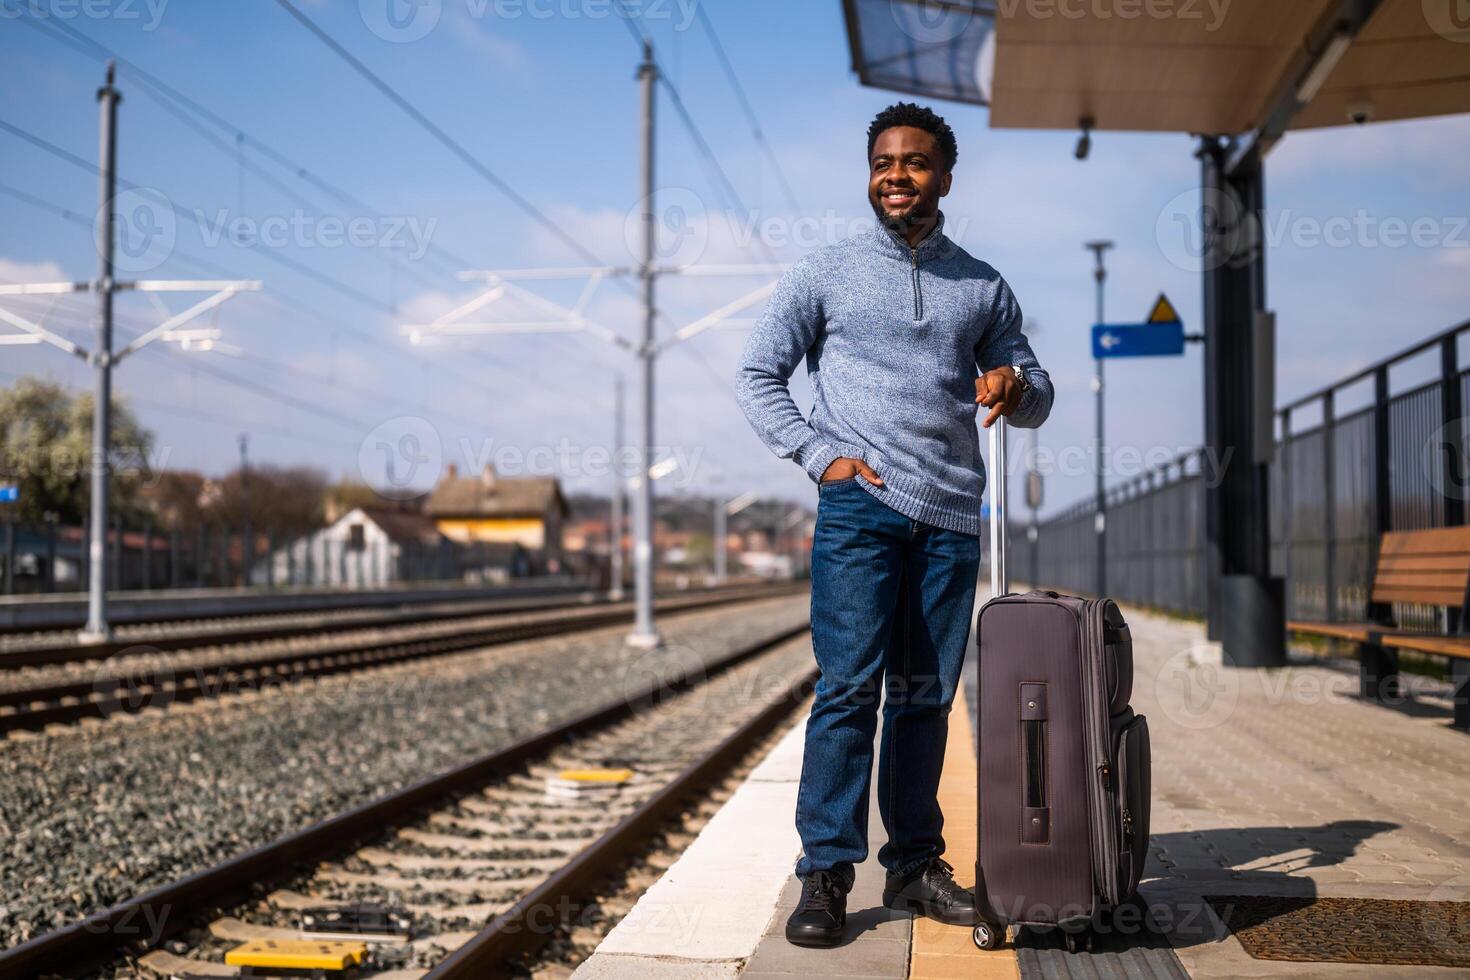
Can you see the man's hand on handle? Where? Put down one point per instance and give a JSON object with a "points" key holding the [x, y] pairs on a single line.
{"points": [[998, 391], [845, 468]]}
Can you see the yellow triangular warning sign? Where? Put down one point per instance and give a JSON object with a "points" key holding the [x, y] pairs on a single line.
{"points": [[1163, 311]]}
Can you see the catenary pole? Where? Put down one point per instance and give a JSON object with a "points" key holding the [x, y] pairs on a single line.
{"points": [[615, 552], [645, 632], [97, 629]]}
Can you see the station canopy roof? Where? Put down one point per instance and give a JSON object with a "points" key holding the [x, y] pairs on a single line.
{"points": [[1200, 66]]}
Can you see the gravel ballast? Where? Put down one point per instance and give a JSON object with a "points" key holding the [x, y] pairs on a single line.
{"points": [[93, 814]]}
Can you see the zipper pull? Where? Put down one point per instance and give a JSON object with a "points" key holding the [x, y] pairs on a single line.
{"points": [[1106, 773]]}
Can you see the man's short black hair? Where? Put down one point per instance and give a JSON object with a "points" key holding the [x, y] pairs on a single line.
{"points": [[920, 117]]}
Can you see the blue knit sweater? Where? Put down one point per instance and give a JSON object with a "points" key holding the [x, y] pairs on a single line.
{"points": [[894, 338]]}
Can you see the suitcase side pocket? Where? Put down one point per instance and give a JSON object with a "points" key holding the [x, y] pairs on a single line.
{"points": [[1132, 766]]}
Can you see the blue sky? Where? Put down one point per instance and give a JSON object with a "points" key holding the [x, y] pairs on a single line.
{"points": [[549, 103]]}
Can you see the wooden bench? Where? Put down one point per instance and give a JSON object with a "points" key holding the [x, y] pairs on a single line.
{"points": [[1429, 567]]}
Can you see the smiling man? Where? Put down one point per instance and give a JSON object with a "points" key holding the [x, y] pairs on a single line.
{"points": [[906, 339]]}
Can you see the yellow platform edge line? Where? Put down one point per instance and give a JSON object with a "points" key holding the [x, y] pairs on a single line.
{"points": [[941, 952]]}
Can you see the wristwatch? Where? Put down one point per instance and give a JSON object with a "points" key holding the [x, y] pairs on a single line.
{"points": [[1021, 378]]}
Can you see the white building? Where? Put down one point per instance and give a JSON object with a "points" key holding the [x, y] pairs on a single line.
{"points": [[364, 548]]}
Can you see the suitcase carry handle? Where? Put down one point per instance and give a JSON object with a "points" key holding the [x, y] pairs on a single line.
{"points": [[1000, 582]]}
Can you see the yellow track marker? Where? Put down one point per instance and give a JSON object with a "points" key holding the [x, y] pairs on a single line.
{"points": [[298, 954], [596, 775]]}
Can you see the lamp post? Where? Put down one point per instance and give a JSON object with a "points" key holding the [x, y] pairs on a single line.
{"points": [[725, 509], [1100, 516]]}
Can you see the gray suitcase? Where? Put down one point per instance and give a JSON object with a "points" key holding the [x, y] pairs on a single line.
{"points": [[1064, 761]]}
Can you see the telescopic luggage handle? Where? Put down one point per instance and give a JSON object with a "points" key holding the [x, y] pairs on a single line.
{"points": [[1000, 582]]}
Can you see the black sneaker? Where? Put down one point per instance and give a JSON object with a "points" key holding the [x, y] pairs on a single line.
{"points": [[930, 890], [821, 913]]}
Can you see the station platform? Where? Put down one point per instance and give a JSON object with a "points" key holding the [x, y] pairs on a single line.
{"points": [[1296, 832]]}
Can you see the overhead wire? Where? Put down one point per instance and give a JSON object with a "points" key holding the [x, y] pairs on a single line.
{"points": [[269, 253]]}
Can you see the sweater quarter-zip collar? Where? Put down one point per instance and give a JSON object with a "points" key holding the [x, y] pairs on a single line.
{"points": [[933, 246]]}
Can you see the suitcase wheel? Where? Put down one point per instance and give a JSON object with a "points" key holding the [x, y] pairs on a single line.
{"points": [[989, 937], [1079, 941]]}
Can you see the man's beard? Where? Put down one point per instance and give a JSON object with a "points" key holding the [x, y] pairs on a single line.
{"points": [[902, 224]]}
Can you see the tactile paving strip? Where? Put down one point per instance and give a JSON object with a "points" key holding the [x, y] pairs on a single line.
{"points": [[1348, 930], [1137, 954]]}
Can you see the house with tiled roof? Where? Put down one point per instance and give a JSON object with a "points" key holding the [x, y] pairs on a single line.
{"points": [[488, 508]]}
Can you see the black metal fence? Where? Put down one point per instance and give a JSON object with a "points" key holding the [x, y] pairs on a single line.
{"points": [[53, 557], [1380, 450]]}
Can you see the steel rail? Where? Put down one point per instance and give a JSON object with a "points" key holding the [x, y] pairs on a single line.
{"points": [[309, 621], [284, 600], [169, 909], [162, 685], [521, 929]]}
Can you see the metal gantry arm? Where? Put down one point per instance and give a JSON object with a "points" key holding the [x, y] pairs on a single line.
{"points": [[499, 284], [563, 319], [718, 317], [34, 332], [502, 283], [104, 359], [167, 330], [168, 327]]}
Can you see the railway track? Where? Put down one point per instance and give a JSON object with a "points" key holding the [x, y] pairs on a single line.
{"points": [[41, 618], [486, 859], [146, 629], [61, 647], [139, 678], [50, 650]]}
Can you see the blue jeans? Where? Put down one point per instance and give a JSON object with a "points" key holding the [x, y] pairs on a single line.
{"points": [[891, 604]]}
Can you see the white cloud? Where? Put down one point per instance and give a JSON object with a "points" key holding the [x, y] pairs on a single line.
{"points": [[474, 34], [1426, 152], [15, 271]]}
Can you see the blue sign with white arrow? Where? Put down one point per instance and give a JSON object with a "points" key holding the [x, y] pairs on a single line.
{"points": [[1161, 336], [1137, 339]]}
